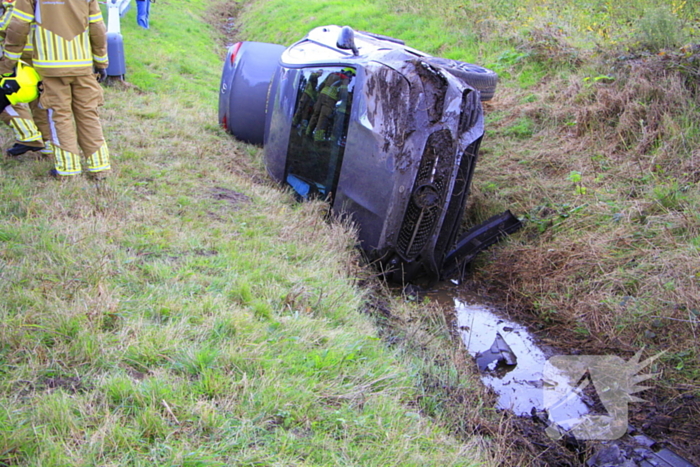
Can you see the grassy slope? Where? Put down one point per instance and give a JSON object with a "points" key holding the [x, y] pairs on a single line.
{"points": [[180, 316], [188, 312], [593, 138]]}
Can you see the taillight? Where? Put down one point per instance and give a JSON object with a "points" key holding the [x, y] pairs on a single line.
{"points": [[234, 51], [224, 123]]}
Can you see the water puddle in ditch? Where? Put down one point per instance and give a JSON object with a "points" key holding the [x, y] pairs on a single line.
{"points": [[517, 368], [511, 362]]}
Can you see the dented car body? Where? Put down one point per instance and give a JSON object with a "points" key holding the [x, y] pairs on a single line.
{"points": [[385, 133]]}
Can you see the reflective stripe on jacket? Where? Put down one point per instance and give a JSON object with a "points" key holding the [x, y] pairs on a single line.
{"points": [[4, 21], [69, 36]]}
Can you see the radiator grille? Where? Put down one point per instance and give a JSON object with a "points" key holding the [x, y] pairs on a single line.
{"points": [[435, 170]]}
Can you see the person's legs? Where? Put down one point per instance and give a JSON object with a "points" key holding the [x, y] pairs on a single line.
{"points": [[27, 135], [143, 8], [41, 120], [57, 99], [20, 120], [87, 97], [324, 105], [304, 102], [314, 116], [323, 121]]}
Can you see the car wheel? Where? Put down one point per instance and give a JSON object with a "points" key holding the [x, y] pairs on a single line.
{"points": [[480, 78], [245, 79]]}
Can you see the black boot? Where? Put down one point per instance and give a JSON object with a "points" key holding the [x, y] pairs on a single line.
{"points": [[18, 149]]}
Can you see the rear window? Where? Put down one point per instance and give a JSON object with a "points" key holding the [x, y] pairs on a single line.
{"points": [[319, 130]]}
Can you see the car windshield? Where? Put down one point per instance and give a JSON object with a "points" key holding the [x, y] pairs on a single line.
{"points": [[319, 130]]}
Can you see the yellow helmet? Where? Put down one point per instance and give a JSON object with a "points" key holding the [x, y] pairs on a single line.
{"points": [[27, 79]]}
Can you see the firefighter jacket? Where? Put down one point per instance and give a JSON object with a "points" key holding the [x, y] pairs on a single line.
{"points": [[6, 8], [69, 36]]}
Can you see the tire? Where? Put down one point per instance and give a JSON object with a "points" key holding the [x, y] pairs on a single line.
{"points": [[245, 79], [480, 78]]}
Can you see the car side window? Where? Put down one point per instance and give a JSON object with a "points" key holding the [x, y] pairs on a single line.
{"points": [[319, 130]]}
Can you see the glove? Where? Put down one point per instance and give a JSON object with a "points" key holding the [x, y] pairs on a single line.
{"points": [[10, 86], [101, 74]]}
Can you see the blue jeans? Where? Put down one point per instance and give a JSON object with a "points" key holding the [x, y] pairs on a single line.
{"points": [[143, 7]]}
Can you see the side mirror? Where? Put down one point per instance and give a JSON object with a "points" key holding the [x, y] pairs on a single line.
{"points": [[346, 40]]}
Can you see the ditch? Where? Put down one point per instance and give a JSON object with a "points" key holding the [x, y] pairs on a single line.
{"points": [[570, 398]]}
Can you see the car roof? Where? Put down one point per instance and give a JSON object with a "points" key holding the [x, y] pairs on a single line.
{"points": [[320, 47]]}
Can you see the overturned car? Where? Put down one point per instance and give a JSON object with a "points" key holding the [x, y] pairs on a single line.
{"points": [[385, 133]]}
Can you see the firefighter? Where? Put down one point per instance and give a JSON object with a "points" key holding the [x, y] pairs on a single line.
{"points": [[328, 95], [29, 125], [27, 135], [306, 101], [342, 111], [70, 45]]}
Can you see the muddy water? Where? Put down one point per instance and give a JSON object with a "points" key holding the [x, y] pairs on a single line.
{"points": [[510, 360], [515, 366]]}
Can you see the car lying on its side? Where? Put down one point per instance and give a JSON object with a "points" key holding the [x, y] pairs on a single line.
{"points": [[385, 133]]}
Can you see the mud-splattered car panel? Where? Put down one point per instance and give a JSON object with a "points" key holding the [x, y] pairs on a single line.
{"points": [[388, 137]]}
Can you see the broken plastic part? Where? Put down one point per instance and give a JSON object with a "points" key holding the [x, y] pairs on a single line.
{"points": [[477, 239], [497, 356]]}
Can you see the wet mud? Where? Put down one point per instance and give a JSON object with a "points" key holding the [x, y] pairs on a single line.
{"points": [[578, 402]]}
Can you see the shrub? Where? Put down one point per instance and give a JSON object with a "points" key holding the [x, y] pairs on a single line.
{"points": [[659, 29]]}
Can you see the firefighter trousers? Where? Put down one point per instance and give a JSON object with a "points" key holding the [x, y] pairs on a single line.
{"points": [[72, 102], [30, 129], [323, 110]]}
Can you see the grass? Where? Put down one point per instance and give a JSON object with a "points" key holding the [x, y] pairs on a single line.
{"points": [[189, 312], [592, 138]]}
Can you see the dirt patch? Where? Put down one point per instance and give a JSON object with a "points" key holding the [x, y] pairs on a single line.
{"points": [[224, 17], [70, 384], [233, 198], [121, 85], [671, 418]]}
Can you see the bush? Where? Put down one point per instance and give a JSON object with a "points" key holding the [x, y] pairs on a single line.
{"points": [[660, 29]]}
